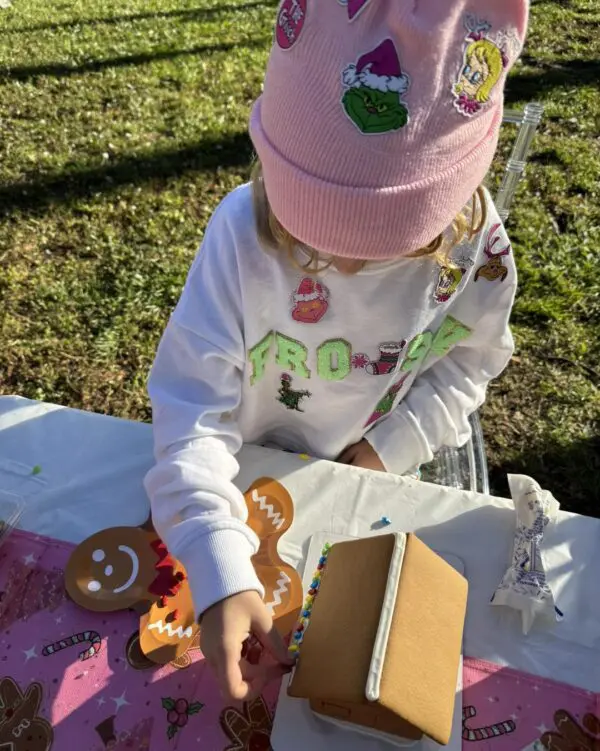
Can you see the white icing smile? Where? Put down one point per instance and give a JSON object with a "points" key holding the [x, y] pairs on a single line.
{"points": [[99, 555], [162, 627]]}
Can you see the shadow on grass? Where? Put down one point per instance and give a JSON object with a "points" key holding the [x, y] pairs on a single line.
{"points": [[234, 151], [60, 70], [190, 14], [533, 85], [570, 473]]}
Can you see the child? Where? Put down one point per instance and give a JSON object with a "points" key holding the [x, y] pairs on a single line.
{"points": [[353, 302]]}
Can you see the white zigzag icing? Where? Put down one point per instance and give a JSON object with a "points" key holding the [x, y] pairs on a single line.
{"points": [[278, 520], [162, 627], [282, 583]]}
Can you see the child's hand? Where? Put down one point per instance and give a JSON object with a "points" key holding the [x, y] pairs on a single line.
{"points": [[225, 627], [362, 454]]}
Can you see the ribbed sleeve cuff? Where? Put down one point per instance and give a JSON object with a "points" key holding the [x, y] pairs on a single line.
{"points": [[218, 565], [399, 444]]}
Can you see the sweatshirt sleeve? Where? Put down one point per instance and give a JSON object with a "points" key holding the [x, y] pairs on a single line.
{"points": [[195, 389], [435, 410]]}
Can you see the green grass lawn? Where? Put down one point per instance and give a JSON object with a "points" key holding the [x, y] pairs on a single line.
{"points": [[123, 123]]}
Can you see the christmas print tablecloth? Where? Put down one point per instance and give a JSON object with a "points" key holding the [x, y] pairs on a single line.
{"points": [[65, 682]]}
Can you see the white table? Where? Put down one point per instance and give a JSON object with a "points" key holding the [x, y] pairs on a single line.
{"points": [[91, 478]]}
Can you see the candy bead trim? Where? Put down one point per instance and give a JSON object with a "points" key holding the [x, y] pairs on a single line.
{"points": [[304, 618]]}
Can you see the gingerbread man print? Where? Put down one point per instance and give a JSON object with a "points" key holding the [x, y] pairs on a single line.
{"points": [[21, 728]]}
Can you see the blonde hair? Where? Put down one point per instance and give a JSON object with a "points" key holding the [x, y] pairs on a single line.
{"points": [[486, 52], [275, 237]]}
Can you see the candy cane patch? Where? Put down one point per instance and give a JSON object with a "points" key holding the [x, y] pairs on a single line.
{"points": [[93, 637], [488, 731]]}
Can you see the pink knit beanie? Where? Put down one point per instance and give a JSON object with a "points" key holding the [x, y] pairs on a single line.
{"points": [[380, 118]]}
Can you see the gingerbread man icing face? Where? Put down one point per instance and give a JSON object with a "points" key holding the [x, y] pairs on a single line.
{"points": [[113, 570]]}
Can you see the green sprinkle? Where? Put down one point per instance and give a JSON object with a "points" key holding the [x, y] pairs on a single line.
{"points": [[36, 470]]}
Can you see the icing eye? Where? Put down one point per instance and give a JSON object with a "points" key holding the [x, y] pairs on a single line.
{"points": [[476, 77], [466, 70], [94, 586], [98, 556], [108, 570]]}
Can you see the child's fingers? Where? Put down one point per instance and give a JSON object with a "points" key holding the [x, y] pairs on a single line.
{"points": [[258, 676], [265, 632], [229, 673]]}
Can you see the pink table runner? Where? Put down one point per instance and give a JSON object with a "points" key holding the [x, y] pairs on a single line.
{"points": [[64, 680]]}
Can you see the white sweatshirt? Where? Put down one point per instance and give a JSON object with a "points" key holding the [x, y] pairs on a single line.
{"points": [[258, 352]]}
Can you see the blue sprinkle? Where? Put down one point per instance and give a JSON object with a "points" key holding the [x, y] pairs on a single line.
{"points": [[323, 560], [305, 613], [298, 635], [315, 584], [385, 520]]}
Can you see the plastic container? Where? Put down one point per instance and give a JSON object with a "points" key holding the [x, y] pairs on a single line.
{"points": [[11, 509]]}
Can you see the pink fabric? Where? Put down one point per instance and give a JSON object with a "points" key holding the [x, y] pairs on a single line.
{"points": [[379, 194], [101, 701], [504, 710]]}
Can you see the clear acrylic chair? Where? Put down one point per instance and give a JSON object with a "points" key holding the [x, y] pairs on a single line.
{"points": [[466, 467]]}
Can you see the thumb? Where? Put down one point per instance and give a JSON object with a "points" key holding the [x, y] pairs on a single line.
{"points": [[266, 633]]}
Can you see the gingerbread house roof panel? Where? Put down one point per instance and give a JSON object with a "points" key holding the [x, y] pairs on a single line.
{"points": [[337, 649], [419, 676]]}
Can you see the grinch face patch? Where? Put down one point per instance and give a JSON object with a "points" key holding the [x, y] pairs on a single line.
{"points": [[290, 22], [373, 87], [484, 61], [494, 268], [310, 301]]}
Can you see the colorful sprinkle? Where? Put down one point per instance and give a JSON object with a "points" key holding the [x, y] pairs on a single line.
{"points": [[306, 457], [386, 520], [36, 470], [303, 620]]}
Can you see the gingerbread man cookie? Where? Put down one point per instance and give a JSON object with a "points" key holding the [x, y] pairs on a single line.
{"points": [[270, 515], [21, 728], [129, 568]]}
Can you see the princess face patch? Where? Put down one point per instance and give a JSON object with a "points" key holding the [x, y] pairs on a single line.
{"points": [[373, 88], [484, 61], [448, 280]]}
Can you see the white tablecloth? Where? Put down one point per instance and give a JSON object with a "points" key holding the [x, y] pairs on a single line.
{"points": [[91, 478]]}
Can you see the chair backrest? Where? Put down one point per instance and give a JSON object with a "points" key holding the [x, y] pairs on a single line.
{"points": [[527, 121]]}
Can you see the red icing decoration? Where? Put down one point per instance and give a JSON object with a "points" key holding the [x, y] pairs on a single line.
{"points": [[166, 584]]}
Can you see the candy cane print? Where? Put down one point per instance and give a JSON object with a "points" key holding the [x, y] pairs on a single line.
{"points": [[483, 733], [92, 636]]}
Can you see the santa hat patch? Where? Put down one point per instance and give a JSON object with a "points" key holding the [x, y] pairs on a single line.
{"points": [[379, 70]]}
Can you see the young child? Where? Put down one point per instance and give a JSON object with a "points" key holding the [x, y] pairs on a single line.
{"points": [[352, 302]]}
